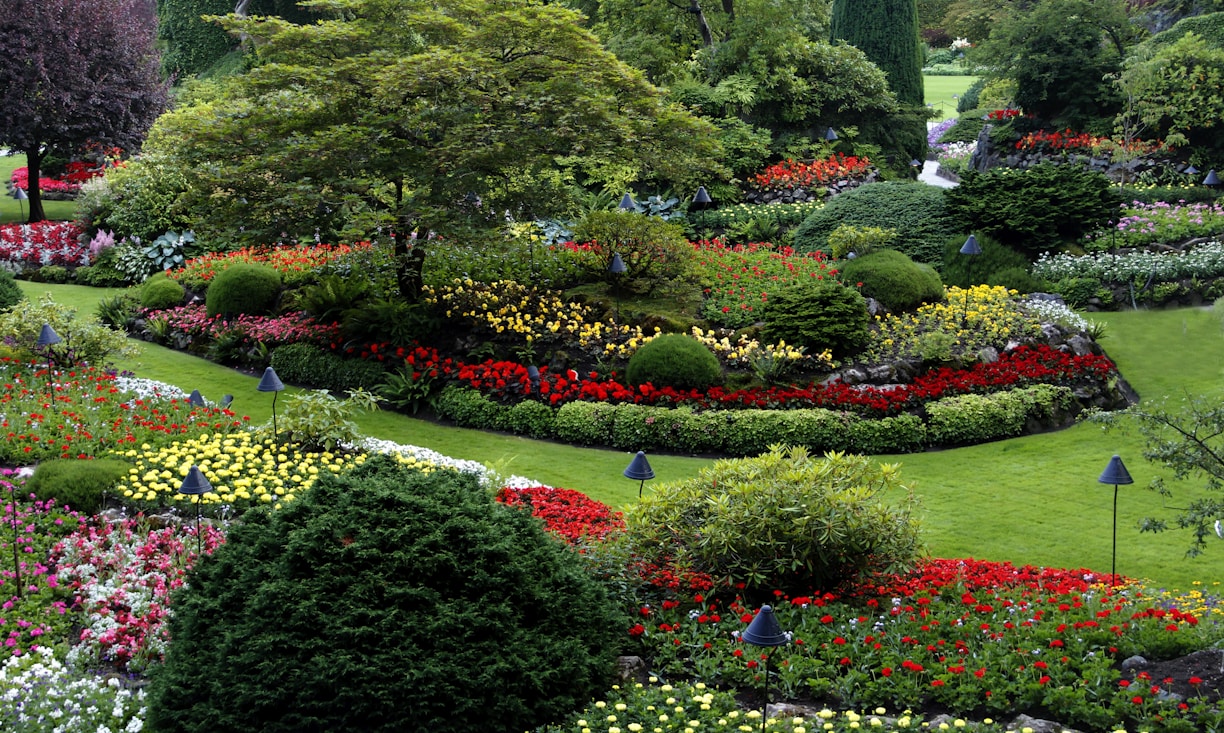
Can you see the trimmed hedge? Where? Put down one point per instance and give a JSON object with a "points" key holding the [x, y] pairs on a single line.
{"points": [[915, 210], [959, 420], [308, 365]]}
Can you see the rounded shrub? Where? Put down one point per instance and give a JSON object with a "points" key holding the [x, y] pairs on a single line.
{"points": [[675, 360], [79, 484], [896, 281], [783, 520], [818, 315], [160, 292], [10, 292], [914, 210], [243, 289], [385, 599]]}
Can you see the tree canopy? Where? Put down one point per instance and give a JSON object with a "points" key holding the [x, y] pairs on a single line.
{"points": [[421, 117], [76, 72]]}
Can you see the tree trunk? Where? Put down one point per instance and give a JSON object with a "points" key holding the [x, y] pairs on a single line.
{"points": [[707, 38], [34, 167]]}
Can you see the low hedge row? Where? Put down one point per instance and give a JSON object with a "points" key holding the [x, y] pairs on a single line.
{"points": [[951, 421]]}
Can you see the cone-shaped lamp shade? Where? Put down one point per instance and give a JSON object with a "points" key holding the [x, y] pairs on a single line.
{"points": [[227, 400], [627, 204], [270, 382], [48, 336], [618, 265], [20, 194], [533, 373], [830, 135], [916, 163], [1190, 170], [639, 469], [702, 199], [764, 630], [196, 399], [1212, 180], [1116, 473], [971, 247], [195, 483]]}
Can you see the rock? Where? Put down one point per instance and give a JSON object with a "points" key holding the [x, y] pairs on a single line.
{"points": [[879, 373], [632, 669], [988, 355], [1135, 662], [1023, 722], [1080, 345], [852, 375]]}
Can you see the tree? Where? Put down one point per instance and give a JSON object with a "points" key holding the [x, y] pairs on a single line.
{"points": [[1187, 439], [423, 118], [887, 32], [1060, 54], [75, 72], [193, 45]]}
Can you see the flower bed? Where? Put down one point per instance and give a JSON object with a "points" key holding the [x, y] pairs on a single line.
{"points": [[194, 324], [295, 263], [75, 173], [791, 174], [1202, 261], [30, 246], [744, 275]]}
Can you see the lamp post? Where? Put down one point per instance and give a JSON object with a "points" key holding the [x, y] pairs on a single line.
{"points": [[627, 203], [617, 268], [196, 485], [970, 249], [764, 631], [46, 339], [702, 202], [1212, 181], [533, 374], [639, 470], [272, 383], [830, 135], [20, 195], [1115, 473]]}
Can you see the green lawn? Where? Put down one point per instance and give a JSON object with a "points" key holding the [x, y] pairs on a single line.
{"points": [[1028, 500], [942, 93], [13, 211]]}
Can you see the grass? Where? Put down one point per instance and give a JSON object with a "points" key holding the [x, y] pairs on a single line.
{"points": [[1028, 500], [13, 211], [942, 92]]}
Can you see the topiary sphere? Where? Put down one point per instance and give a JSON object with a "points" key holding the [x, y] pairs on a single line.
{"points": [[10, 292], [160, 292], [893, 279], [243, 289], [675, 360], [385, 599]]}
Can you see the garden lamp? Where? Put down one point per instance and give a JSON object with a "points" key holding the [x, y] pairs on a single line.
{"points": [[46, 339], [970, 249], [196, 485], [701, 202], [195, 399], [1190, 170], [830, 135], [20, 195], [627, 203], [617, 268], [1115, 473], [639, 470], [1212, 180], [272, 383], [764, 631], [533, 373]]}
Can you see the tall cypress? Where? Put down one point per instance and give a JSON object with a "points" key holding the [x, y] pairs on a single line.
{"points": [[886, 31]]}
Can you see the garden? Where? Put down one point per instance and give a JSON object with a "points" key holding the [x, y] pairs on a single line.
{"points": [[273, 358]]}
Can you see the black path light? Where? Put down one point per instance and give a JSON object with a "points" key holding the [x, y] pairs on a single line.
{"points": [[272, 383], [639, 470], [627, 203], [970, 249], [195, 399], [533, 374], [1190, 170], [830, 135], [764, 631], [46, 339], [617, 268], [196, 485], [1116, 474], [702, 202], [20, 195], [1212, 180]]}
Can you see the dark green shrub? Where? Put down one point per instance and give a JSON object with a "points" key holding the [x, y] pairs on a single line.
{"points": [[675, 360], [389, 320], [79, 484], [915, 210], [55, 274], [1035, 209], [818, 315], [102, 273], [119, 311], [783, 520], [243, 289], [1016, 278], [966, 128], [466, 407], [310, 366], [899, 434], [10, 292], [531, 418], [160, 292], [893, 279], [585, 423], [965, 271], [328, 299], [969, 100], [379, 599], [1077, 291], [972, 418], [654, 251]]}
